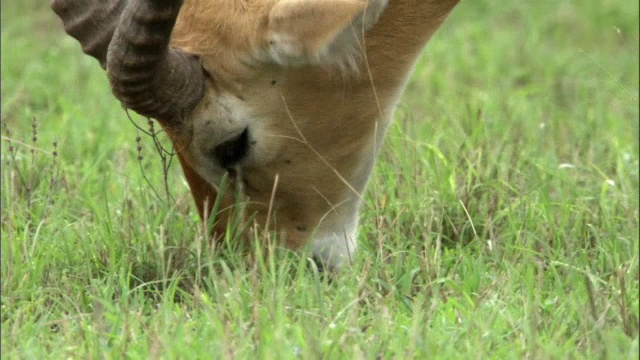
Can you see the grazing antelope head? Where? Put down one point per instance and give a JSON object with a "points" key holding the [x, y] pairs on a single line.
{"points": [[289, 98]]}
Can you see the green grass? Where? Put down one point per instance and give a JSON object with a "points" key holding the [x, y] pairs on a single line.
{"points": [[501, 220]]}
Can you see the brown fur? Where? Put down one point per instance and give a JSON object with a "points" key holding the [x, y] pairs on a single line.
{"points": [[320, 126]]}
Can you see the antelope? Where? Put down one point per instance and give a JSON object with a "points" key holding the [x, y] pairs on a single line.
{"points": [[289, 99]]}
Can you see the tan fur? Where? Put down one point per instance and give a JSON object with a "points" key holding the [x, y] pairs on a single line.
{"points": [[317, 126]]}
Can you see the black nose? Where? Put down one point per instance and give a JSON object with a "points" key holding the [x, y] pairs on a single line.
{"points": [[325, 274], [320, 265], [230, 152]]}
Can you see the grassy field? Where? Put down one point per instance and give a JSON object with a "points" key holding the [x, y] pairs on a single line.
{"points": [[501, 220]]}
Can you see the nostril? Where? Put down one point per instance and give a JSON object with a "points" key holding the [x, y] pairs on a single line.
{"points": [[230, 152], [318, 263]]}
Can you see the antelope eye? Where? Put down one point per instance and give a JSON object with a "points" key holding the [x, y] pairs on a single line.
{"points": [[230, 152]]}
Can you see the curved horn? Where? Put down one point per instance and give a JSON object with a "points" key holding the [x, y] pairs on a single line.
{"points": [[145, 73], [91, 23]]}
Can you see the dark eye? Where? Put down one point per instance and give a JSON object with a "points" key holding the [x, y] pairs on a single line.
{"points": [[232, 151]]}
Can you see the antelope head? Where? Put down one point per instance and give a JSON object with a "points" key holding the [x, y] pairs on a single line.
{"points": [[288, 98]]}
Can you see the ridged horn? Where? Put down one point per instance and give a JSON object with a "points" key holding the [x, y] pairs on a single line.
{"points": [[146, 75], [91, 23]]}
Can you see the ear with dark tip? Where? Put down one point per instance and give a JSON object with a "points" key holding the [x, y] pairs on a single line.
{"points": [[92, 23]]}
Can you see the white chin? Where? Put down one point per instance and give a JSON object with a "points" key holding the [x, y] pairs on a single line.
{"points": [[334, 250]]}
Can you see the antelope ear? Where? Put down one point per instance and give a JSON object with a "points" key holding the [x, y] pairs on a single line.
{"points": [[319, 31]]}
